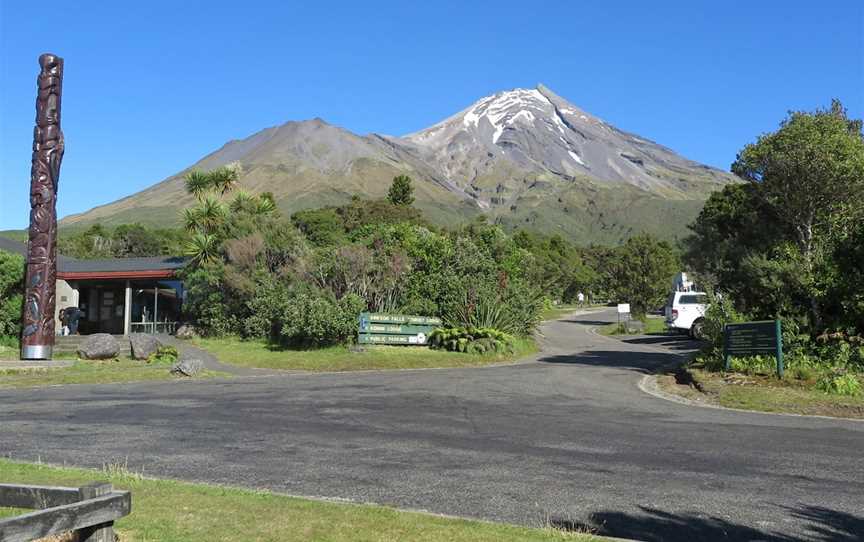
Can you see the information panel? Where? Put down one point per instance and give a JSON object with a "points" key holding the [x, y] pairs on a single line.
{"points": [[753, 339]]}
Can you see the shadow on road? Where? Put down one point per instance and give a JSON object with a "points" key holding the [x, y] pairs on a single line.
{"points": [[823, 525], [587, 322], [671, 342], [643, 362]]}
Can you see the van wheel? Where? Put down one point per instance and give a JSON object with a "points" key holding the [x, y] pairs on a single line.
{"points": [[697, 331]]}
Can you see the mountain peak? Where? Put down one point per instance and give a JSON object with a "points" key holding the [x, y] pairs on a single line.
{"points": [[535, 130], [525, 156]]}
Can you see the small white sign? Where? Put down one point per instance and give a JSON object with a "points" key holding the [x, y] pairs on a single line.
{"points": [[623, 308]]}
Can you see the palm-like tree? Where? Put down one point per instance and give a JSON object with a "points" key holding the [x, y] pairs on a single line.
{"points": [[202, 248], [197, 183], [211, 213], [264, 206], [207, 220], [225, 179], [192, 218], [243, 201]]}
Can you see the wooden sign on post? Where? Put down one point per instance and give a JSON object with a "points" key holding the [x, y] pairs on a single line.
{"points": [[379, 328], [753, 339]]}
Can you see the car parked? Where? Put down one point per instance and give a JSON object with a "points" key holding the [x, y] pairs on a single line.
{"points": [[685, 312]]}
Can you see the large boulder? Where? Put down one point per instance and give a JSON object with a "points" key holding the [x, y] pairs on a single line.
{"points": [[186, 331], [99, 346], [190, 366], [143, 345]]}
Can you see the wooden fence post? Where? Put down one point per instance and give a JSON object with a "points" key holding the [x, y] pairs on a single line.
{"points": [[98, 533]]}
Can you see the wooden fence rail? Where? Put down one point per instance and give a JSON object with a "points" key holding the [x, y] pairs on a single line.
{"points": [[89, 511]]}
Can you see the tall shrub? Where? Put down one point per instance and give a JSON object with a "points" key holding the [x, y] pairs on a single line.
{"points": [[11, 293]]}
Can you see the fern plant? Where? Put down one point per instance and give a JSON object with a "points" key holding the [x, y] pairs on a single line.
{"points": [[472, 340]]}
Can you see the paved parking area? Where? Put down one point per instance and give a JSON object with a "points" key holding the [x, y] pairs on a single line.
{"points": [[567, 437]]}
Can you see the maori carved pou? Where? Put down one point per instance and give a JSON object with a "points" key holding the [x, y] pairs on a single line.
{"points": [[37, 336]]}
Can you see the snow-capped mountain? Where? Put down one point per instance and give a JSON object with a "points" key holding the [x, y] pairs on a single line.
{"points": [[535, 130], [524, 157]]}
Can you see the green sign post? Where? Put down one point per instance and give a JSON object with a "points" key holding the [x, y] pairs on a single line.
{"points": [[379, 328], [753, 339]]}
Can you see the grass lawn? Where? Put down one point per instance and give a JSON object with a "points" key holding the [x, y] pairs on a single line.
{"points": [[764, 393], [10, 350], [90, 372], [653, 326], [170, 511], [236, 351]]}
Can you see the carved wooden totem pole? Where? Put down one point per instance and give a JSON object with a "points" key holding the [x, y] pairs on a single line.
{"points": [[37, 336]]}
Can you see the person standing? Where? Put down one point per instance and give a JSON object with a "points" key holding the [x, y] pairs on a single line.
{"points": [[73, 314], [64, 328]]}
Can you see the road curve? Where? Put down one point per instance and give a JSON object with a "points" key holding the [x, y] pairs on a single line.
{"points": [[567, 438]]}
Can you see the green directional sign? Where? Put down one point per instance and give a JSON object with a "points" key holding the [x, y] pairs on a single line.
{"points": [[382, 328], [394, 329], [753, 339], [385, 318], [381, 338]]}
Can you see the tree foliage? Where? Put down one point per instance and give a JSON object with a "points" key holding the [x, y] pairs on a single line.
{"points": [[643, 272], [401, 192], [787, 243], [11, 293], [123, 241]]}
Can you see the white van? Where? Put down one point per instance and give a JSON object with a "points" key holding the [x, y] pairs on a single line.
{"points": [[685, 311]]}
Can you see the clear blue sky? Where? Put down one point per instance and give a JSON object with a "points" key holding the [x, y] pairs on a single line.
{"points": [[152, 86]]}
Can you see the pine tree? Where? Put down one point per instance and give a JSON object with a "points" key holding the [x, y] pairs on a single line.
{"points": [[401, 192]]}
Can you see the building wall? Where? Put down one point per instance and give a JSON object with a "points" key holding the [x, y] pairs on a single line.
{"points": [[66, 296]]}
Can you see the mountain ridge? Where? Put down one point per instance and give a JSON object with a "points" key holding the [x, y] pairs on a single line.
{"points": [[513, 156]]}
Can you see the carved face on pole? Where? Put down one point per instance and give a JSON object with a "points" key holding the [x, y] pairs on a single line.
{"points": [[37, 337]]}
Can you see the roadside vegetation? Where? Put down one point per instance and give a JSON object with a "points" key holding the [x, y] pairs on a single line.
{"points": [[293, 288], [171, 511], [79, 371], [286, 293], [789, 245], [263, 354], [762, 391], [92, 372]]}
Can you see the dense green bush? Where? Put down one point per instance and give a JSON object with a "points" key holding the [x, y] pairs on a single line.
{"points": [[164, 354], [209, 303], [303, 283], [840, 382], [11, 293], [472, 340], [122, 241], [313, 318]]}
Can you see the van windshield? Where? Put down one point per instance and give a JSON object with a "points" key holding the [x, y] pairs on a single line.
{"points": [[698, 299]]}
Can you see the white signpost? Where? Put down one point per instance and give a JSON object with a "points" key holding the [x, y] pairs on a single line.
{"points": [[623, 312]]}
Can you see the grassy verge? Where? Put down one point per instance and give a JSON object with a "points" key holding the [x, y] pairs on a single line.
{"points": [[10, 350], [90, 372], [236, 351], [171, 511], [553, 313], [761, 392], [653, 326]]}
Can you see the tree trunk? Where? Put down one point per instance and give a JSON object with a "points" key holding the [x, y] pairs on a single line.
{"points": [[805, 232]]}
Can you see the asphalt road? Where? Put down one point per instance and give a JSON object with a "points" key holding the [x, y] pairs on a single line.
{"points": [[567, 438]]}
